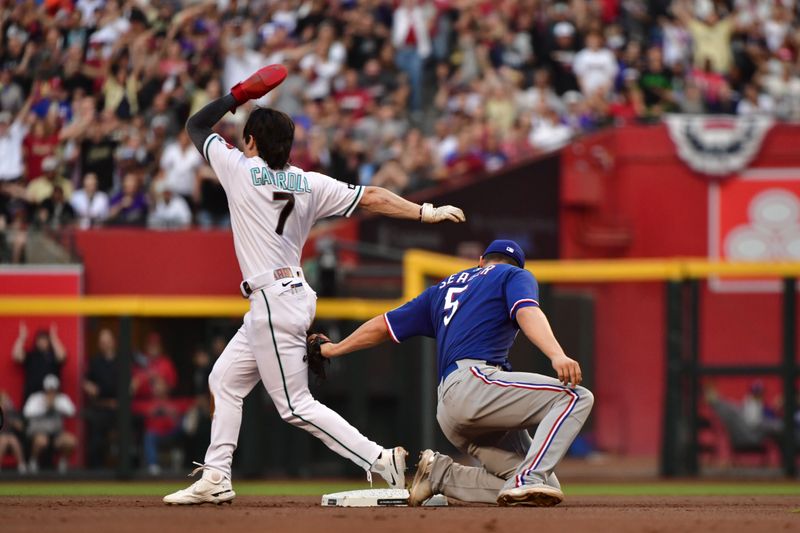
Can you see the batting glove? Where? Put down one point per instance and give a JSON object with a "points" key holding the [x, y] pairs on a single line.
{"points": [[433, 215], [258, 84]]}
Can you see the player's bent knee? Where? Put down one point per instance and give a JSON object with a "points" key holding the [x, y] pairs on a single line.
{"points": [[585, 397]]}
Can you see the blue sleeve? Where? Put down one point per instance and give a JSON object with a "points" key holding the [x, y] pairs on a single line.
{"points": [[411, 319], [521, 290]]}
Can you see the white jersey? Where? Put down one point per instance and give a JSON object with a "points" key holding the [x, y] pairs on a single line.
{"points": [[272, 211]]}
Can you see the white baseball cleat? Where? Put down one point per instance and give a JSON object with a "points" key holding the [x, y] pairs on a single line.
{"points": [[530, 495], [421, 489], [391, 466], [213, 487]]}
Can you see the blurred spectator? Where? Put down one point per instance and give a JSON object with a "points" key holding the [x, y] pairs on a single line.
{"points": [[494, 157], [11, 93], [97, 153], [711, 36], [12, 135], [129, 206], [548, 132], [45, 412], [628, 106], [539, 94], [41, 187], [411, 26], [45, 357], [212, 203], [416, 158], [100, 388], [90, 204], [578, 114], [179, 164], [351, 98], [323, 62], [13, 427], [595, 66], [467, 158], [392, 176], [152, 366], [562, 56], [171, 211], [161, 424], [754, 102], [55, 213], [749, 424], [655, 81], [197, 420], [692, 101], [41, 143]]}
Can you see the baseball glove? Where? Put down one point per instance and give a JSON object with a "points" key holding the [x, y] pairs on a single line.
{"points": [[314, 358]]}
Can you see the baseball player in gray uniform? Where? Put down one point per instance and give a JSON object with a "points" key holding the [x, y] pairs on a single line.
{"points": [[273, 206], [484, 408]]}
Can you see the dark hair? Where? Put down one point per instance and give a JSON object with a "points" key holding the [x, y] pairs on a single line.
{"points": [[273, 132], [497, 257]]}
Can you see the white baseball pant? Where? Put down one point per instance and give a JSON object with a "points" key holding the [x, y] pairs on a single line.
{"points": [[270, 347]]}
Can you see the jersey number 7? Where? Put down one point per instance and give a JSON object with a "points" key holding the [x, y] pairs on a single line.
{"points": [[286, 211], [451, 303]]}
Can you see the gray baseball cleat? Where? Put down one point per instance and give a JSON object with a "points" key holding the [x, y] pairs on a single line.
{"points": [[421, 489], [213, 487], [530, 495], [391, 466]]}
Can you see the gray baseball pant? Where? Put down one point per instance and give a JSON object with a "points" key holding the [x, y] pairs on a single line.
{"points": [[486, 412]]}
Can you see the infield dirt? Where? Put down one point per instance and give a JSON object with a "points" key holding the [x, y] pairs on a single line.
{"points": [[304, 514]]}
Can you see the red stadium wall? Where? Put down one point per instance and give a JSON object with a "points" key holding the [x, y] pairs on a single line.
{"points": [[134, 261], [625, 193]]}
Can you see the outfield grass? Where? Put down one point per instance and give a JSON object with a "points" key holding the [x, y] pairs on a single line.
{"points": [[312, 488]]}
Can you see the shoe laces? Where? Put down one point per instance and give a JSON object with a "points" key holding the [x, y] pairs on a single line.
{"points": [[200, 468]]}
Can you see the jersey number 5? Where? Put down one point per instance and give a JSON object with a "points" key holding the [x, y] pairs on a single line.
{"points": [[451, 303], [286, 211]]}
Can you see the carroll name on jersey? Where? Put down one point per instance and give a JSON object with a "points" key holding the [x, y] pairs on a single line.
{"points": [[288, 181]]}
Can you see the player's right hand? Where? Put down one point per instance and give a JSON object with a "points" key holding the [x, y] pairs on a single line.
{"points": [[433, 215], [568, 370], [259, 84]]}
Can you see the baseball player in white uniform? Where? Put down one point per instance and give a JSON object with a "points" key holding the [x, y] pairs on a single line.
{"points": [[273, 206]]}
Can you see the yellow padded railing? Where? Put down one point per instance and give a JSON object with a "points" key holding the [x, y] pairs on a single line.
{"points": [[418, 267]]}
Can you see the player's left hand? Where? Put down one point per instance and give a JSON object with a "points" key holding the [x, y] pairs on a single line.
{"points": [[433, 215], [316, 361], [568, 370]]}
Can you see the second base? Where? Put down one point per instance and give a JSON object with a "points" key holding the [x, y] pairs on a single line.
{"points": [[376, 498]]}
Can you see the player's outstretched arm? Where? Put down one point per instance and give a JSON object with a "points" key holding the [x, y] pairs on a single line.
{"points": [[260, 83], [533, 322], [384, 202], [369, 334]]}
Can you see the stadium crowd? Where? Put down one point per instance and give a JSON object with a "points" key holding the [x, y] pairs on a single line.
{"points": [[401, 93]]}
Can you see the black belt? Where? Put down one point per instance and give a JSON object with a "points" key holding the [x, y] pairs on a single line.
{"points": [[452, 367]]}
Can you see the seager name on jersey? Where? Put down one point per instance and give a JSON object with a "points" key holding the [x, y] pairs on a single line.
{"points": [[288, 181]]}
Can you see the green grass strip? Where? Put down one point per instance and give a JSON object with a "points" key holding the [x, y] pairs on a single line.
{"points": [[144, 488]]}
